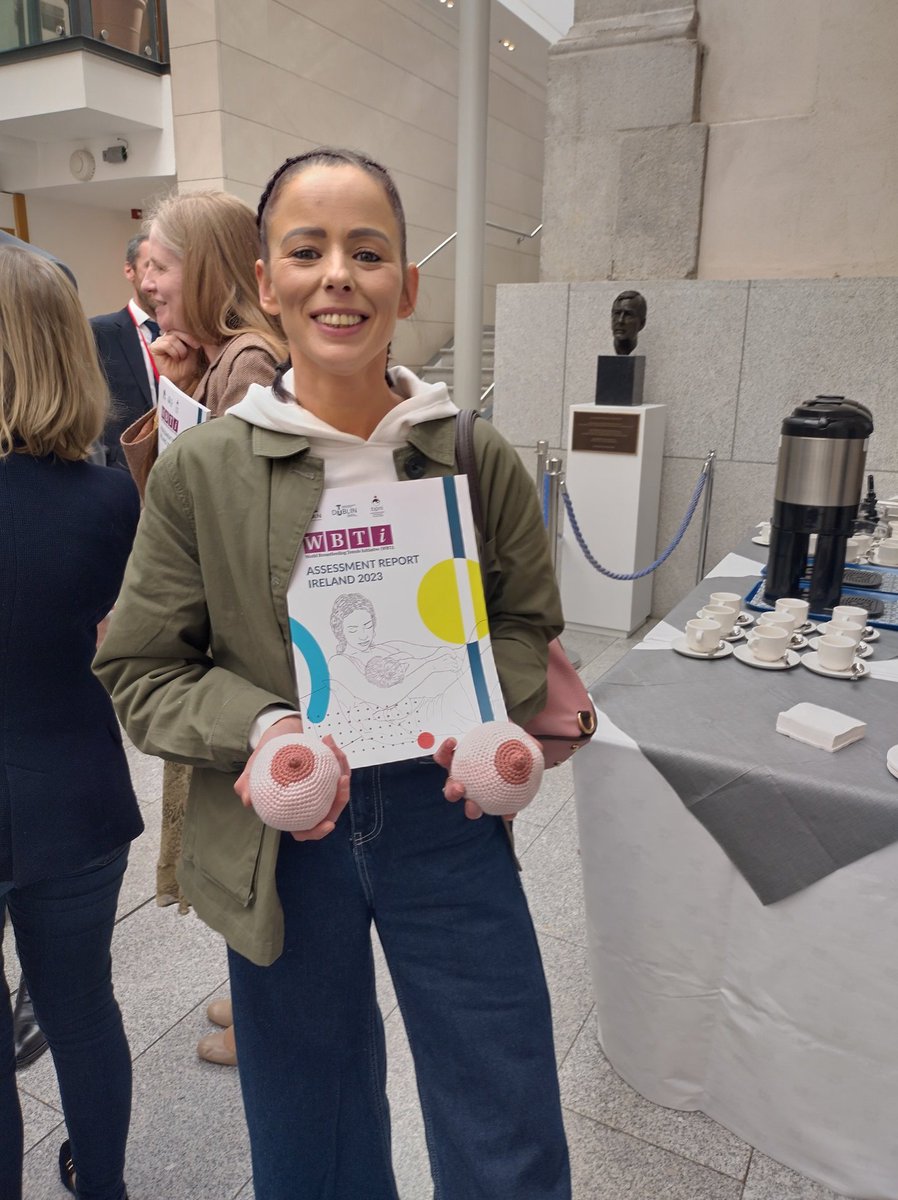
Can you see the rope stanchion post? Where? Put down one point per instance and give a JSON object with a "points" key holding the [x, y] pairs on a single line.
{"points": [[706, 516], [552, 506], [542, 454]]}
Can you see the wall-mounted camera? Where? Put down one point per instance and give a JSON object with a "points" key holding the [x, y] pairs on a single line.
{"points": [[117, 153]]}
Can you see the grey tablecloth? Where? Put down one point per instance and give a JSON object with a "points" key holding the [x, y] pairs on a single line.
{"points": [[785, 813]]}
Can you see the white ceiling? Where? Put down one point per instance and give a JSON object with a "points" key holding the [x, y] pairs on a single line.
{"points": [[550, 18]]}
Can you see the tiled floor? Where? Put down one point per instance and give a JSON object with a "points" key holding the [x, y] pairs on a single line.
{"points": [[187, 1136]]}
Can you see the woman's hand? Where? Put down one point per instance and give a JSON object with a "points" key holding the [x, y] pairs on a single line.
{"points": [[280, 728], [177, 357], [452, 789]]}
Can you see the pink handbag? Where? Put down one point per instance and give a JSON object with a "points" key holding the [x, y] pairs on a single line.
{"points": [[569, 719]]}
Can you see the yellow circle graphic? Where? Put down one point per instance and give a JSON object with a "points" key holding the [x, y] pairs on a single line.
{"points": [[441, 606]]}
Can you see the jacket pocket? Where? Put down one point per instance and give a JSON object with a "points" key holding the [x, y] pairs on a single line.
{"points": [[222, 839]]}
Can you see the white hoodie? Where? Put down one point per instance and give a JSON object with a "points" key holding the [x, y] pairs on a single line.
{"points": [[349, 459]]}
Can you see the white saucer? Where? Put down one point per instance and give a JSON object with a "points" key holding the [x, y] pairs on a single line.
{"points": [[682, 647], [863, 650], [808, 627], [744, 654], [759, 541], [892, 760], [812, 662], [871, 634], [745, 618], [798, 642]]}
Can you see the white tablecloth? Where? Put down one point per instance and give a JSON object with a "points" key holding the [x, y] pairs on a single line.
{"points": [[780, 1022]]}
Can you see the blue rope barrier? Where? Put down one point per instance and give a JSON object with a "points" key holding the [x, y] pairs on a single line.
{"points": [[677, 538]]}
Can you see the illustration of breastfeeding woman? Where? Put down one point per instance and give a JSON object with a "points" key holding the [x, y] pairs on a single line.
{"points": [[395, 684]]}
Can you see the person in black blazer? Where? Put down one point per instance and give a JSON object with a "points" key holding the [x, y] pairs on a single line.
{"points": [[122, 339], [67, 808]]}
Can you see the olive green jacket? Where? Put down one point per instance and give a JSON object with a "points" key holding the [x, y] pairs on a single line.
{"points": [[199, 641]]}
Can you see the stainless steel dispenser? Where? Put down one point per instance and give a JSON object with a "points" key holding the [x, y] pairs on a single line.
{"points": [[820, 473]]}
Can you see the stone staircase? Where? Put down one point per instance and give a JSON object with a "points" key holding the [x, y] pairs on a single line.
{"points": [[441, 367]]}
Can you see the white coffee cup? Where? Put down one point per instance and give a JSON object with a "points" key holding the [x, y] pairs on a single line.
{"points": [[835, 652], [850, 612], [783, 620], [798, 608], [893, 526], [764, 529], [768, 642], [725, 617], [864, 541], [703, 635], [849, 629], [886, 553], [728, 600], [853, 550]]}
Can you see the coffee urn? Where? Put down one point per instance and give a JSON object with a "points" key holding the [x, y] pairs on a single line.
{"points": [[820, 473]]}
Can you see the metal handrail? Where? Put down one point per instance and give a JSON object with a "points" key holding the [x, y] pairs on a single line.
{"points": [[522, 235]]}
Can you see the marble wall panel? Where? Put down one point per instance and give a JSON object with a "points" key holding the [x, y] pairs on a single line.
{"points": [[749, 73], [805, 337], [192, 21], [531, 323], [195, 83]]}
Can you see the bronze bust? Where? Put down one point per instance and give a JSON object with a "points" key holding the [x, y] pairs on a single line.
{"points": [[628, 314]]}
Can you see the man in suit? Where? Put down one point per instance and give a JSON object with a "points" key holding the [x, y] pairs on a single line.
{"points": [[123, 339]]}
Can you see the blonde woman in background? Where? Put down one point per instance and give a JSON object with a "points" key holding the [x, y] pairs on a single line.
{"points": [[67, 807], [216, 341]]}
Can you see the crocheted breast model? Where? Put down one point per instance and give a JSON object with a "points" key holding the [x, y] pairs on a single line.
{"points": [[293, 782], [500, 766]]}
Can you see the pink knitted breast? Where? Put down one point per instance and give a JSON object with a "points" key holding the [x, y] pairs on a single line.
{"points": [[500, 766], [293, 782]]}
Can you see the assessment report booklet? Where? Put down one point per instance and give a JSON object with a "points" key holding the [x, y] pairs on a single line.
{"points": [[177, 412], [388, 621]]}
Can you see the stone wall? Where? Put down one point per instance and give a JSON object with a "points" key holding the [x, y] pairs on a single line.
{"points": [[730, 359], [801, 106]]}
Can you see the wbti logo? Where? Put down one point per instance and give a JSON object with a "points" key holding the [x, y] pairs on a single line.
{"points": [[366, 537]]}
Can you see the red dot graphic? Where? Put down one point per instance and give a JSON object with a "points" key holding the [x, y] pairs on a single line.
{"points": [[426, 741]]}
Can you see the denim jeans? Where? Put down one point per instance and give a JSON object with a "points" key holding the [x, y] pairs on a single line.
{"points": [[451, 915], [63, 931]]}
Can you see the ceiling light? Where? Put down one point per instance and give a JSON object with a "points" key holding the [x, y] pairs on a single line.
{"points": [[506, 44]]}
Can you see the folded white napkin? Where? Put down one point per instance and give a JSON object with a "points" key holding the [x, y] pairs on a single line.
{"points": [[818, 726], [886, 668], [735, 565], [661, 637]]}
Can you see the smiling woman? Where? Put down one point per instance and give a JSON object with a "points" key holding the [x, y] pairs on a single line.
{"points": [[199, 660]]}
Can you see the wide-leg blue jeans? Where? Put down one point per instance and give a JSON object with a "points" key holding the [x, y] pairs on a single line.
{"points": [[63, 931], [451, 915]]}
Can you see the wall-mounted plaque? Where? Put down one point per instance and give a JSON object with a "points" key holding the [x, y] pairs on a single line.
{"points": [[609, 432]]}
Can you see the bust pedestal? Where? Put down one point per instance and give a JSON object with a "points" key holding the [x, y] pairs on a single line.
{"points": [[613, 476], [619, 378]]}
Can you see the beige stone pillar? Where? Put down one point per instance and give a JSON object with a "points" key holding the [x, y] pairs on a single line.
{"points": [[625, 153]]}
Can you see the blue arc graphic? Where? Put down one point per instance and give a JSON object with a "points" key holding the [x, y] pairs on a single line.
{"points": [[320, 696]]}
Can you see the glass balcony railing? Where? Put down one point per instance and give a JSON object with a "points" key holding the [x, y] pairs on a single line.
{"points": [[126, 27]]}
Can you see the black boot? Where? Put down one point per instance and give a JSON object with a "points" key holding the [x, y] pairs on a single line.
{"points": [[30, 1042], [67, 1167]]}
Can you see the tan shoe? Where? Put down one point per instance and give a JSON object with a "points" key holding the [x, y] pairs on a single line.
{"points": [[218, 1048], [220, 1012]]}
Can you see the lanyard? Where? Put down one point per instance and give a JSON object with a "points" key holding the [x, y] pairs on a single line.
{"points": [[146, 349]]}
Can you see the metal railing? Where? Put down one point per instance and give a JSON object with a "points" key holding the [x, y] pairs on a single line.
{"points": [[521, 234], [126, 29]]}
